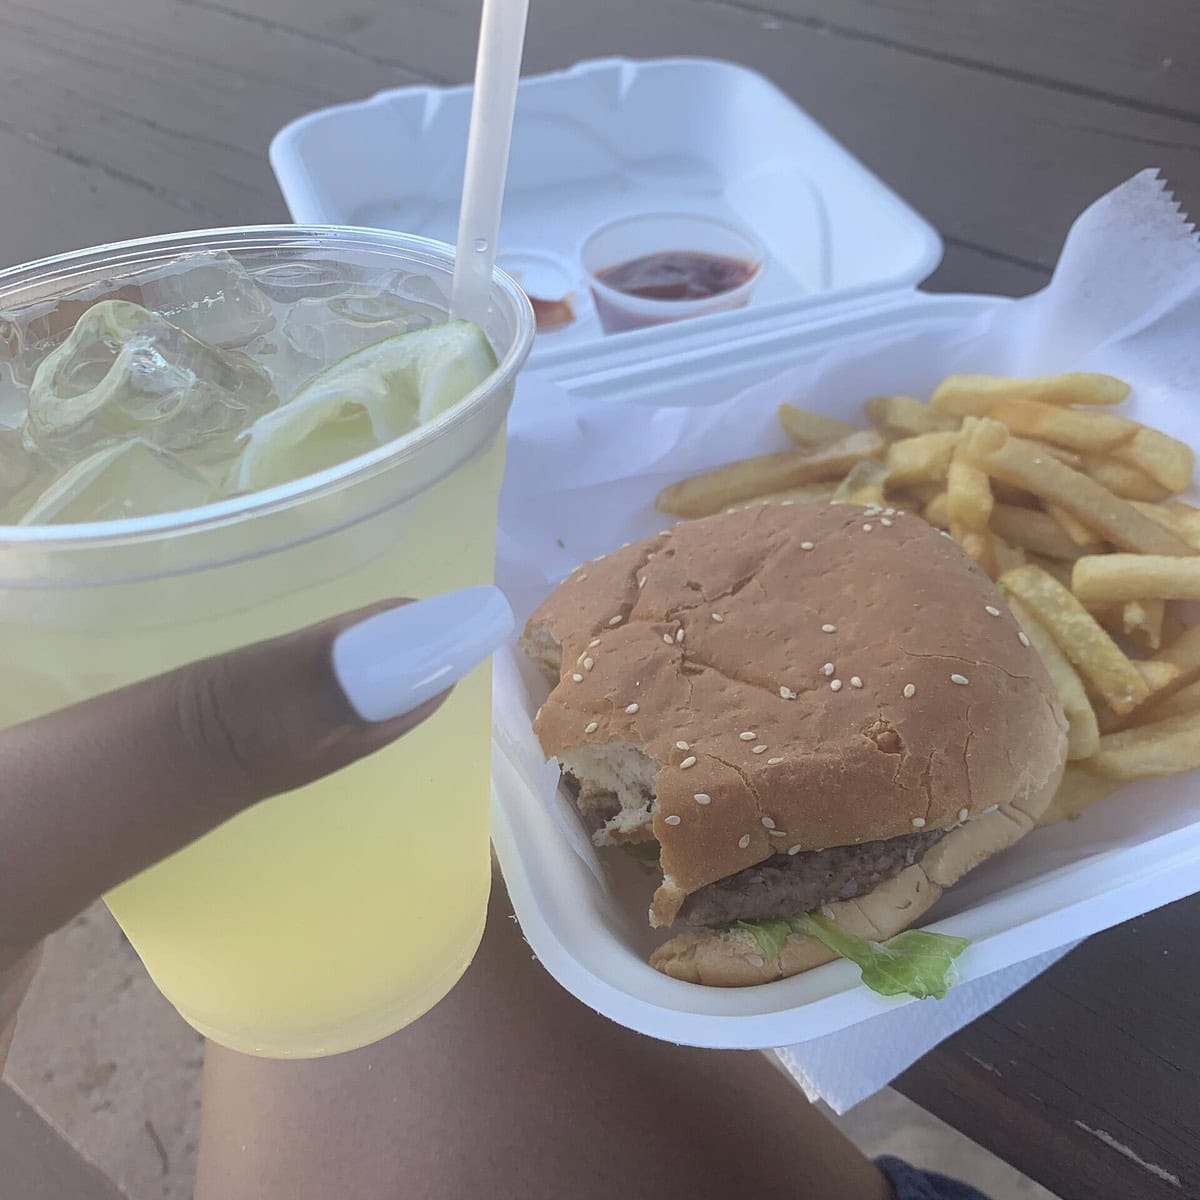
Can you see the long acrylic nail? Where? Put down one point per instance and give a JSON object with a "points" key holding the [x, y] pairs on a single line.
{"points": [[393, 662]]}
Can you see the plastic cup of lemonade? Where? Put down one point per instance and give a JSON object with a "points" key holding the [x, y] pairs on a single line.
{"points": [[215, 438]]}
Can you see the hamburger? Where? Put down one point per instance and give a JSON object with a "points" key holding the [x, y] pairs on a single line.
{"points": [[818, 716]]}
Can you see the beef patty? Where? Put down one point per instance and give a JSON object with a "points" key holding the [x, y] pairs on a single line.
{"points": [[786, 885]]}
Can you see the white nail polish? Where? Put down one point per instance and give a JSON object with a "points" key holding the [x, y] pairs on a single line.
{"points": [[393, 662]]}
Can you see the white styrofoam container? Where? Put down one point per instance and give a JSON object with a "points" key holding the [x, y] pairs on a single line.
{"points": [[1127, 856], [593, 143], [607, 139]]}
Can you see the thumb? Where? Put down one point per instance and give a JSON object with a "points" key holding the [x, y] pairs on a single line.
{"points": [[95, 793]]}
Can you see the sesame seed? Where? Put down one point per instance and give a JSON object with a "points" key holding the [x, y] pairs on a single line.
{"points": [[588, 663], [1023, 638], [593, 643], [963, 814], [991, 808], [786, 503], [674, 820], [887, 521], [829, 629], [668, 639], [632, 708], [855, 681], [889, 512], [910, 690], [743, 841], [807, 546], [786, 693], [992, 610], [759, 750], [702, 798], [774, 762], [591, 727], [581, 577], [616, 620], [868, 528], [664, 533], [577, 677], [778, 833], [828, 669], [756, 960], [682, 746], [642, 582], [718, 618], [748, 735], [919, 822], [679, 636], [768, 823], [961, 680], [690, 761], [827, 912], [944, 533], [836, 686], [794, 849]]}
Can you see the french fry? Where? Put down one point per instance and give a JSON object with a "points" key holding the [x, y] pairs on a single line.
{"points": [[921, 459], [1142, 620], [1099, 659], [713, 491], [906, 416], [974, 395], [1117, 520], [1070, 427], [1165, 459], [864, 484], [1079, 790], [1037, 531], [1073, 527], [1124, 480], [979, 547], [969, 499], [1182, 652], [921, 493], [1181, 519], [811, 428], [1083, 734], [1182, 702], [1007, 556], [937, 511], [1165, 747], [808, 493], [1070, 457], [1159, 676], [1097, 578], [1053, 567]]}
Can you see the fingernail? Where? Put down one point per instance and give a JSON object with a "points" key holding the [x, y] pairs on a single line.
{"points": [[393, 662]]}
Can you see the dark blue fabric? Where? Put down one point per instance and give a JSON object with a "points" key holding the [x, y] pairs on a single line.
{"points": [[910, 1184]]}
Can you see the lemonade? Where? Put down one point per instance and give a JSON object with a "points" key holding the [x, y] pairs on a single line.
{"points": [[138, 381]]}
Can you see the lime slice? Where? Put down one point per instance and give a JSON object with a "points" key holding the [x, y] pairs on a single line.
{"points": [[365, 400]]}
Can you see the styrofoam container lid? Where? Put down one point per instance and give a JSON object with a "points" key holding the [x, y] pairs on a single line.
{"points": [[611, 138]]}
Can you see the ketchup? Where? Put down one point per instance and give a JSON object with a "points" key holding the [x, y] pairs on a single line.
{"points": [[678, 275]]}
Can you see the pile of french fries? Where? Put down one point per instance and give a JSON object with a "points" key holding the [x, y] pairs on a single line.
{"points": [[1071, 508]]}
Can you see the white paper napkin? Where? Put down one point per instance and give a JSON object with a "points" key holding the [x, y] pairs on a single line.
{"points": [[582, 476], [848, 1067]]}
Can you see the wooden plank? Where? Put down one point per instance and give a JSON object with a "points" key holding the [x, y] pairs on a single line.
{"points": [[185, 99], [1146, 55], [1087, 1079], [37, 1164]]}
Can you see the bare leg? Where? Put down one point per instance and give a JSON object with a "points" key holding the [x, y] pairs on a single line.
{"points": [[512, 1089]]}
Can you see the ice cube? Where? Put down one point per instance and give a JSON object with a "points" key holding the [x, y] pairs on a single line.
{"points": [[295, 279], [130, 479], [209, 295], [17, 465], [319, 333], [127, 372]]}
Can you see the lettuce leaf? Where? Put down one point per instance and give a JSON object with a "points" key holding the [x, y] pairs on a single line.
{"points": [[915, 963]]}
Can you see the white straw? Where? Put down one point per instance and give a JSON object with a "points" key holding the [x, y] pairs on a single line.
{"points": [[497, 71]]}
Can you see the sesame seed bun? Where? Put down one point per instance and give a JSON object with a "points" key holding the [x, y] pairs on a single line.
{"points": [[795, 678]]}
